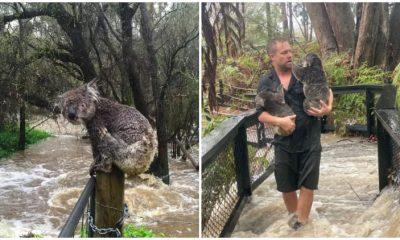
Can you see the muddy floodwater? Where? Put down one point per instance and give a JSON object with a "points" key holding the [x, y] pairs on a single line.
{"points": [[347, 203], [40, 186]]}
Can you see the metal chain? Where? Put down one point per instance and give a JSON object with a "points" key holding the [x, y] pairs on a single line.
{"points": [[103, 231]]}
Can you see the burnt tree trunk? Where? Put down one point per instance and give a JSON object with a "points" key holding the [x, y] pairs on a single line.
{"points": [[342, 22], [322, 28], [160, 165], [394, 36], [367, 35]]}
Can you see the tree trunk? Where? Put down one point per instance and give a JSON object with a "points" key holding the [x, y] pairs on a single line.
{"points": [[291, 30], [342, 22], [160, 165], [367, 35], [394, 36], [226, 31], [21, 85], [74, 31], [129, 57], [322, 28], [269, 20], [210, 56], [285, 24], [381, 49]]}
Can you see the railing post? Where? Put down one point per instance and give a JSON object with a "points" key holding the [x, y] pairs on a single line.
{"points": [[242, 162], [384, 155], [109, 200], [387, 100], [369, 104], [92, 211]]}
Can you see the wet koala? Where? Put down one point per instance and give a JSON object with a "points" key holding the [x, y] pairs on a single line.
{"points": [[315, 85], [274, 103], [119, 134]]}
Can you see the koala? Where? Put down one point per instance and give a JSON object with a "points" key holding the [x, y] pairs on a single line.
{"points": [[119, 134], [274, 103], [315, 85]]}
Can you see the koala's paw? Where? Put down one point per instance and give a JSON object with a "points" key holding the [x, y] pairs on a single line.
{"points": [[103, 167], [102, 132]]}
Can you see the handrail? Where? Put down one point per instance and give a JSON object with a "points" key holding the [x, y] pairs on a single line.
{"points": [[217, 139], [79, 208]]}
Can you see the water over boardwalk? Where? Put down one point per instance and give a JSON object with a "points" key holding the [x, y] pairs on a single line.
{"points": [[40, 186], [346, 205]]}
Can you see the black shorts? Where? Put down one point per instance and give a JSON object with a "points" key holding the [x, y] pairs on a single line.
{"points": [[293, 170]]}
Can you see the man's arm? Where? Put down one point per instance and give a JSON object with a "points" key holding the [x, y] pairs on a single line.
{"points": [[285, 123], [325, 108]]}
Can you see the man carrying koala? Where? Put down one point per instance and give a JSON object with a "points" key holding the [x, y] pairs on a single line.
{"points": [[298, 152]]}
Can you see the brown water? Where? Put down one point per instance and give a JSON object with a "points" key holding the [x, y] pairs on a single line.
{"points": [[40, 186], [346, 205]]}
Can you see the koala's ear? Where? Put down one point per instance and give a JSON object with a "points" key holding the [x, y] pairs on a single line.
{"points": [[92, 84], [91, 89]]}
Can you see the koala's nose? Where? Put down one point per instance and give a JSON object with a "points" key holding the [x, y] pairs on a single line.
{"points": [[71, 115]]}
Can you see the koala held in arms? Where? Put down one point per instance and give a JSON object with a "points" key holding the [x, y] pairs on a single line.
{"points": [[315, 84], [119, 134], [274, 103]]}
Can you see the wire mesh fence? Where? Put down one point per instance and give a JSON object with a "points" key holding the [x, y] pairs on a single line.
{"points": [[222, 178]]}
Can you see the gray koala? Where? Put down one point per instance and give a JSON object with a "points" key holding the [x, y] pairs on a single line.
{"points": [[312, 75], [274, 103], [118, 133]]}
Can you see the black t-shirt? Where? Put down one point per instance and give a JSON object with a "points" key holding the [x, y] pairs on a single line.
{"points": [[307, 135]]}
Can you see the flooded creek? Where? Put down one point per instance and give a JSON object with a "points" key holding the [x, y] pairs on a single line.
{"points": [[40, 186], [345, 205]]}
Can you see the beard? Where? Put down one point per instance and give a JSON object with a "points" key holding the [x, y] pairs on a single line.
{"points": [[286, 67]]}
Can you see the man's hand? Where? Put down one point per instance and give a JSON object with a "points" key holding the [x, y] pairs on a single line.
{"points": [[325, 108], [287, 124]]}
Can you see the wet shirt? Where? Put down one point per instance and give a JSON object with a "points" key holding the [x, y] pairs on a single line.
{"points": [[307, 135]]}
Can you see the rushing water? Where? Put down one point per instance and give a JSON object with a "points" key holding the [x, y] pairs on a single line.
{"points": [[346, 205], [40, 186]]}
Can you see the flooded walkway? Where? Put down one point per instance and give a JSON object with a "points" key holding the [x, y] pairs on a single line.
{"points": [[346, 205], [40, 186]]}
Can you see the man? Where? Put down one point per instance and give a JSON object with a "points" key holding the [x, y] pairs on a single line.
{"points": [[297, 156]]}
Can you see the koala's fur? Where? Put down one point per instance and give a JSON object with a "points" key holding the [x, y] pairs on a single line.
{"points": [[119, 134], [274, 103], [312, 75]]}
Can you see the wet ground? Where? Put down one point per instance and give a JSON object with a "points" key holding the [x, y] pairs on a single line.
{"points": [[40, 186], [346, 205]]}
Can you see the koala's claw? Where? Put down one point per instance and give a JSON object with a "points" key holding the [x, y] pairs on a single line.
{"points": [[100, 167]]}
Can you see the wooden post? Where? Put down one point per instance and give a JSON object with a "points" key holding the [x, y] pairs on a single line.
{"points": [[109, 199]]}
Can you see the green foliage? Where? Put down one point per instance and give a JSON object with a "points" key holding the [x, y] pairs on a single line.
{"points": [[230, 72], [248, 61], [9, 139], [350, 108], [336, 69], [130, 231], [370, 75], [209, 121]]}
